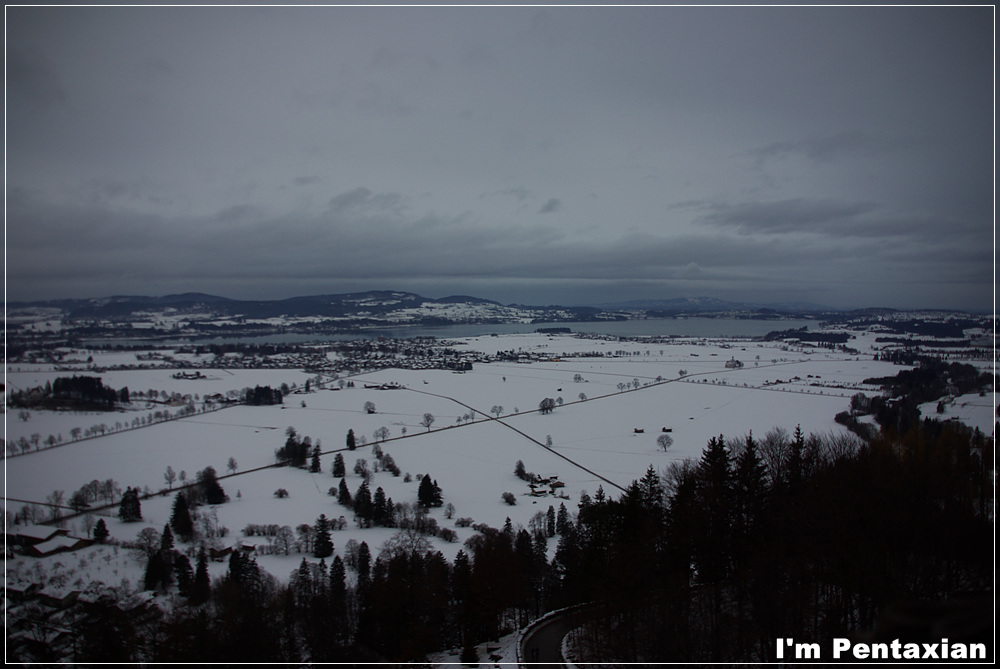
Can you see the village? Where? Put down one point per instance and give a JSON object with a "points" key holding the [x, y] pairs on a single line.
{"points": [[589, 413]]}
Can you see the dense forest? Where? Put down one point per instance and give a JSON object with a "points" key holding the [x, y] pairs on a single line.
{"points": [[810, 537], [71, 392]]}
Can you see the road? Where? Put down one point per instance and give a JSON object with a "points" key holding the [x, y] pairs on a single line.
{"points": [[542, 645]]}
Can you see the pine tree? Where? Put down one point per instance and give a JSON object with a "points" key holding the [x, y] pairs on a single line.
{"points": [[157, 572], [129, 510], [351, 443], [550, 521], [795, 458], [364, 562], [302, 585], [100, 531], [344, 495], [166, 539], [209, 483], [712, 549], [338, 583], [314, 465], [429, 493], [339, 469], [714, 495], [749, 492], [749, 488], [184, 575], [379, 508], [390, 513], [562, 519], [337, 596], [323, 546], [202, 587], [180, 518], [652, 489], [363, 504]]}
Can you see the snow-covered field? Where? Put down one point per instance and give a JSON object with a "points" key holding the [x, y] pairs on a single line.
{"points": [[472, 461]]}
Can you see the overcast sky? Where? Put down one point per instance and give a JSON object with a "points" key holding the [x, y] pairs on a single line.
{"points": [[838, 155]]}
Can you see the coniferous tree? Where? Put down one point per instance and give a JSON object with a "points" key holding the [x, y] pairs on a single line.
{"points": [[166, 539], [314, 465], [100, 531], [323, 545], [351, 442], [339, 468], [713, 545], [209, 485], [429, 493], [363, 507], [129, 509], [379, 510], [157, 571], [180, 518], [749, 488], [390, 513], [562, 519], [364, 561], [795, 458], [184, 575], [344, 495], [202, 587], [301, 585], [550, 521], [338, 585]]}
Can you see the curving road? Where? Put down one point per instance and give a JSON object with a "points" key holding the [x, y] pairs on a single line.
{"points": [[542, 646], [542, 643]]}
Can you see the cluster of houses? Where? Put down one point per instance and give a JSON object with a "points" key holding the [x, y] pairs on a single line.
{"points": [[538, 486], [43, 625], [42, 540], [40, 621]]}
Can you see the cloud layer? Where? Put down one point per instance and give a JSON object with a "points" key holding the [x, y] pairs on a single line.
{"points": [[835, 155]]}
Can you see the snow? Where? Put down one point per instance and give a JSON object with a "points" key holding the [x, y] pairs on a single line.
{"points": [[473, 462], [971, 409]]}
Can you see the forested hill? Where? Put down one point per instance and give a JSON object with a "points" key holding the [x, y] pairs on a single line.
{"points": [[348, 305]]}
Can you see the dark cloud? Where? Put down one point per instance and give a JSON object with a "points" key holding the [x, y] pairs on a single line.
{"points": [[237, 212], [361, 200], [31, 81], [518, 192], [835, 155], [551, 205], [825, 149], [796, 215]]}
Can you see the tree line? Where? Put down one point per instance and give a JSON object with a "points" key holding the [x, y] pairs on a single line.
{"points": [[77, 392], [712, 560]]}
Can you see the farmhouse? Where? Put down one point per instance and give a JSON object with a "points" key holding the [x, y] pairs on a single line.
{"points": [[28, 535], [62, 543]]}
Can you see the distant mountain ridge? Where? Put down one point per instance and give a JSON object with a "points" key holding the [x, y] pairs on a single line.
{"points": [[381, 303], [395, 306]]}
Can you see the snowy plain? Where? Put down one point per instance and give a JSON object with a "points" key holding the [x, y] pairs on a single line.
{"points": [[471, 459]]}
